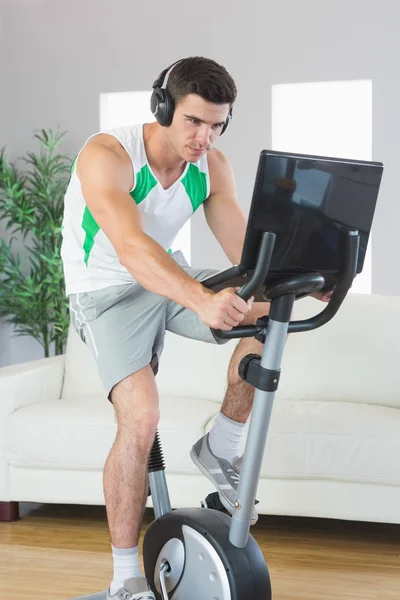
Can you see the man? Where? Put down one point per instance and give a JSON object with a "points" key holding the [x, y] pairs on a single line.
{"points": [[131, 191]]}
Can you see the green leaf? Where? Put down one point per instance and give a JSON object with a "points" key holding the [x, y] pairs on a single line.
{"points": [[32, 287]]}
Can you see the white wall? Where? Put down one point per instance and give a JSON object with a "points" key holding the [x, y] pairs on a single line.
{"points": [[4, 138], [63, 55]]}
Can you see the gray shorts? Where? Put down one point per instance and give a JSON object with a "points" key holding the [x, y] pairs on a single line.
{"points": [[124, 325]]}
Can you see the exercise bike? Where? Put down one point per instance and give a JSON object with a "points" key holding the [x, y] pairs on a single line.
{"points": [[295, 245]]}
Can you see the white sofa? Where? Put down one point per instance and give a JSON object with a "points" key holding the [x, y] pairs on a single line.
{"points": [[334, 444]]}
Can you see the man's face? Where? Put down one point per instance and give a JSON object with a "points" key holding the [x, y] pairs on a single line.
{"points": [[195, 126]]}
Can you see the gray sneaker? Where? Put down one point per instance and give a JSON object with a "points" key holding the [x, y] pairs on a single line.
{"points": [[135, 588], [223, 474]]}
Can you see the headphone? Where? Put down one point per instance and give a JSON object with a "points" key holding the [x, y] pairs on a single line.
{"points": [[162, 104]]}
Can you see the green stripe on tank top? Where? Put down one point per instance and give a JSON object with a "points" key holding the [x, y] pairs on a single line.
{"points": [[195, 183], [89, 225], [73, 165], [144, 183], [90, 228]]}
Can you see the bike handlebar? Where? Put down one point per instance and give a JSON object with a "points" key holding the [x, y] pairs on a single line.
{"points": [[347, 272], [262, 267]]}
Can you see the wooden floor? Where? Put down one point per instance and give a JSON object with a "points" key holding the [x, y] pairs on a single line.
{"points": [[58, 552]]}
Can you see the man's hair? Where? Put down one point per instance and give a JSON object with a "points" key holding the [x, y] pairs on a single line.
{"points": [[204, 77]]}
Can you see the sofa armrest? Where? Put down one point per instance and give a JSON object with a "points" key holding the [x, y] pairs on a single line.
{"points": [[30, 383]]}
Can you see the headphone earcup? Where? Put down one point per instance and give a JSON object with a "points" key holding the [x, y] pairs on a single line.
{"points": [[169, 108], [154, 100], [157, 104], [162, 106], [228, 120]]}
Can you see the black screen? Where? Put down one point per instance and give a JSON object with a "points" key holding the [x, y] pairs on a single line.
{"points": [[306, 201]]}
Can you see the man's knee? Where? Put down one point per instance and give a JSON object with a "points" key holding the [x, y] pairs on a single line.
{"points": [[135, 399], [244, 347], [139, 427], [258, 310]]}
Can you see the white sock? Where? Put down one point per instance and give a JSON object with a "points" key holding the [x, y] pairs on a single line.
{"points": [[225, 437], [126, 565]]}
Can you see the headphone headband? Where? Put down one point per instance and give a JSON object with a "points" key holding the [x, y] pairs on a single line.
{"points": [[162, 79]]}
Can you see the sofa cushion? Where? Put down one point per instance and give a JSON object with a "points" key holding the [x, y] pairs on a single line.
{"points": [[337, 441], [309, 439], [194, 369], [80, 434], [353, 358]]}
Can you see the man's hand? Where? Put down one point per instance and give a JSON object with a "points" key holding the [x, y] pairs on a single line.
{"points": [[224, 310]]}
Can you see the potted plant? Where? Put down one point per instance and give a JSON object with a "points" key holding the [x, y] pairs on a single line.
{"points": [[32, 292]]}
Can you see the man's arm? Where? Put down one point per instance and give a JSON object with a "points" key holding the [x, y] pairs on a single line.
{"points": [[222, 210], [106, 182], [106, 179]]}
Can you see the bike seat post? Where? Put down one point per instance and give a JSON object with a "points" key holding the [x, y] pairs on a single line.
{"points": [[279, 318]]}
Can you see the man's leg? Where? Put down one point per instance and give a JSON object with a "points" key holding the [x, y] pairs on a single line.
{"points": [[124, 327], [228, 430], [217, 454], [125, 473], [239, 396]]}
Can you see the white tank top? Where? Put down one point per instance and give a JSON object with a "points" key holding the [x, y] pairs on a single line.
{"points": [[89, 259]]}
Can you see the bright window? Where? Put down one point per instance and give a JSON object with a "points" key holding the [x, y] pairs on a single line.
{"points": [[332, 118], [130, 108]]}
